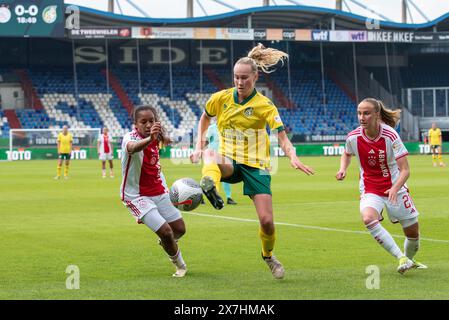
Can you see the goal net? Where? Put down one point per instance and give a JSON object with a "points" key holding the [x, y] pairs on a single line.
{"points": [[32, 144]]}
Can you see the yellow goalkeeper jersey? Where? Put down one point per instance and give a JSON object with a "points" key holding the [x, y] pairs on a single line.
{"points": [[434, 136], [243, 126], [65, 142]]}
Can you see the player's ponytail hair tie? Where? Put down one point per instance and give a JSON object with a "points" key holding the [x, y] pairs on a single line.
{"points": [[389, 116], [263, 58]]}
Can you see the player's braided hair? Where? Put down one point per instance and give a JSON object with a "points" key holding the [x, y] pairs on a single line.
{"points": [[163, 137], [263, 58], [390, 117]]}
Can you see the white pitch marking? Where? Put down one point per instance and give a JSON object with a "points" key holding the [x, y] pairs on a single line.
{"points": [[303, 226]]}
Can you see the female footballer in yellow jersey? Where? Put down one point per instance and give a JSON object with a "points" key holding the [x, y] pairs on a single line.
{"points": [[65, 141], [242, 116], [436, 143]]}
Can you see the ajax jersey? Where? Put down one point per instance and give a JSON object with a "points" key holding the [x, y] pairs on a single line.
{"points": [[141, 171], [377, 158]]}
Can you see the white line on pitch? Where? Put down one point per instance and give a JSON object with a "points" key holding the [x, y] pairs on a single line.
{"points": [[301, 226]]}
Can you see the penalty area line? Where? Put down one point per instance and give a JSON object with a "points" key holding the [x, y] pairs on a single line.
{"points": [[302, 226]]}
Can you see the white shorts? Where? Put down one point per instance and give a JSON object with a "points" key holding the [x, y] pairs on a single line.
{"points": [[404, 209], [159, 208], [106, 156]]}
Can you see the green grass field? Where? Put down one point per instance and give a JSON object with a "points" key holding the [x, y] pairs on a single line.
{"points": [[47, 225]]}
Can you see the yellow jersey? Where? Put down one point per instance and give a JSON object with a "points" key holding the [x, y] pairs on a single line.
{"points": [[434, 137], [243, 126], [65, 142]]}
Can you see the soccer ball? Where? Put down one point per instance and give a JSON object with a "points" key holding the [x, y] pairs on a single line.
{"points": [[186, 194]]}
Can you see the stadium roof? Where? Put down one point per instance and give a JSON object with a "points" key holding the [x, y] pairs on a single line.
{"points": [[286, 17]]}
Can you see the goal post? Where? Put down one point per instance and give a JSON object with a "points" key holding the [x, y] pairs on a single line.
{"points": [[32, 144]]}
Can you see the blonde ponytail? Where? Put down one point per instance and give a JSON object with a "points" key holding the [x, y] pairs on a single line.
{"points": [[388, 116], [263, 58]]}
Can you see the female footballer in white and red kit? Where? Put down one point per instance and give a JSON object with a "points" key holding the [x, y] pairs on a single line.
{"points": [[384, 170], [105, 151], [143, 191]]}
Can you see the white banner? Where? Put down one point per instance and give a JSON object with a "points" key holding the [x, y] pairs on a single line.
{"points": [[162, 33]]}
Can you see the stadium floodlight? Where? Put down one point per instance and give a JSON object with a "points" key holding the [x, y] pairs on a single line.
{"points": [[42, 143]]}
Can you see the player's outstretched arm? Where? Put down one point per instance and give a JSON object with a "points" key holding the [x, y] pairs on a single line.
{"points": [[290, 152], [345, 161]]}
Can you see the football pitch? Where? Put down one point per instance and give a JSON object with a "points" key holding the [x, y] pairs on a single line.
{"points": [[48, 225]]}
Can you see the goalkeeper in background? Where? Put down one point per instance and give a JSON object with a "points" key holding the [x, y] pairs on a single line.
{"points": [[65, 142]]}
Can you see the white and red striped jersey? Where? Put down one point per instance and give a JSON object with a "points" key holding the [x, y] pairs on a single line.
{"points": [[105, 143], [141, 171], [377, 158]]}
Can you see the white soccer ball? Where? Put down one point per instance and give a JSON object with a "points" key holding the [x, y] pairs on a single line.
{"points": [[186, 194]]}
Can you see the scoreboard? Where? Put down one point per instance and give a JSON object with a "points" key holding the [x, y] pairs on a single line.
{"points": [[23, 18]]}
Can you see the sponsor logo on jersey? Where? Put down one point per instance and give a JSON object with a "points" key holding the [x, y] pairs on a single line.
{"points": [[383, 164]]}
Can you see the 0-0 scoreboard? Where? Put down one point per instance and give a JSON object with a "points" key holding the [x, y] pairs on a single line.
{"points": [[22, 18]]}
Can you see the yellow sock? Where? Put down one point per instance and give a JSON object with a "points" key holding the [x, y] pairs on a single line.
{"points": [[267, 242], [212, 170], [58, 171], [434, 158], [66, 171], [440, 158]]}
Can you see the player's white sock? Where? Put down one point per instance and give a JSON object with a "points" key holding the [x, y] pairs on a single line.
{"points": [[177, 260], [384, 238], [411, 246]]}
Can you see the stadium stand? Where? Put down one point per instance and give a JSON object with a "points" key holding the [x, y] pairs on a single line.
{"points": [[4, 125], [98, 107]]}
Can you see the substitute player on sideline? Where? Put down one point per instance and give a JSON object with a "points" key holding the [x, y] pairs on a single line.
{"points": [[436, 144], [384, 170], [143, 190], [65, 143], [243, 115], [105, 151]]}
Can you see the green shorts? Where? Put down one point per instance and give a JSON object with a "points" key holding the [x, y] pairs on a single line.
{"points": [[64, 156], [435, 146], [255, 181]]}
